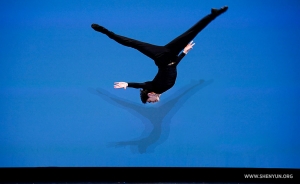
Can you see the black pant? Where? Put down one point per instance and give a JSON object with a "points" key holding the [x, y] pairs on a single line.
{"points": [[162, 54]]}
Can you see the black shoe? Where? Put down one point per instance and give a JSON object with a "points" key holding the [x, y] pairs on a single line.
{"points": [[98, 28], [216, 11]]}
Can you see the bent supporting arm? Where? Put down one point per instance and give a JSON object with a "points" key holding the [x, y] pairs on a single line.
{"points": [[184, 52]]}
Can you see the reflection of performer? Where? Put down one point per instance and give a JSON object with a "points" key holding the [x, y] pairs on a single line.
{"points": [[156, 119], [165, 57]]}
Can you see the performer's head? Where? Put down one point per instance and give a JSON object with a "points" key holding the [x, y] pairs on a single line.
{"points": [[149, 97]]}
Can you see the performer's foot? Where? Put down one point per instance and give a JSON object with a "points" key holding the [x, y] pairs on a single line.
{"points": [[99, 28], [216, 11]]}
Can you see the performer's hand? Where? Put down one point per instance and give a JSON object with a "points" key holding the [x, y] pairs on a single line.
{"points": [[188, 47], [120, 85]]}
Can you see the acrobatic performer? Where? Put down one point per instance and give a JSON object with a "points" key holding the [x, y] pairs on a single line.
{"points": [[165, 57]]}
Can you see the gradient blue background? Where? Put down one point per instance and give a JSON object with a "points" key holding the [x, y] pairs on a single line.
{"points": [[57, 97]]}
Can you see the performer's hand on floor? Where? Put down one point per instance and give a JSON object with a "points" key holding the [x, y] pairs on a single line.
{"points": [[188, 47], [120, 85]]}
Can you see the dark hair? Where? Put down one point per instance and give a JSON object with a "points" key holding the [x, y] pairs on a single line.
{"points": [[144, 95]]}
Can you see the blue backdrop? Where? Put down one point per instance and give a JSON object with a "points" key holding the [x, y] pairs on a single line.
{"points": [[235, 103]]}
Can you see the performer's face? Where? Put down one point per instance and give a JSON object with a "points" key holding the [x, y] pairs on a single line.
{"points": [[153, 97]]}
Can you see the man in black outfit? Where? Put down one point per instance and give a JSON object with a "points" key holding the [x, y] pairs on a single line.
{"points": [[165, 57]]}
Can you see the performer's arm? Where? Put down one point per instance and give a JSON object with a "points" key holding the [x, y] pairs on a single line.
{"points": [[185, 51], [179, 58], [129, 84], [136, 85]]}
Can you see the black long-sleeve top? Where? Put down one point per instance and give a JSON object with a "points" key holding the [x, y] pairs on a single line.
{"points": [[164, 79]]}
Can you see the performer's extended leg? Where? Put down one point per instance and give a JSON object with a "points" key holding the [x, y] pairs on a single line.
{"points": [[181, 41], [152, 51]]}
